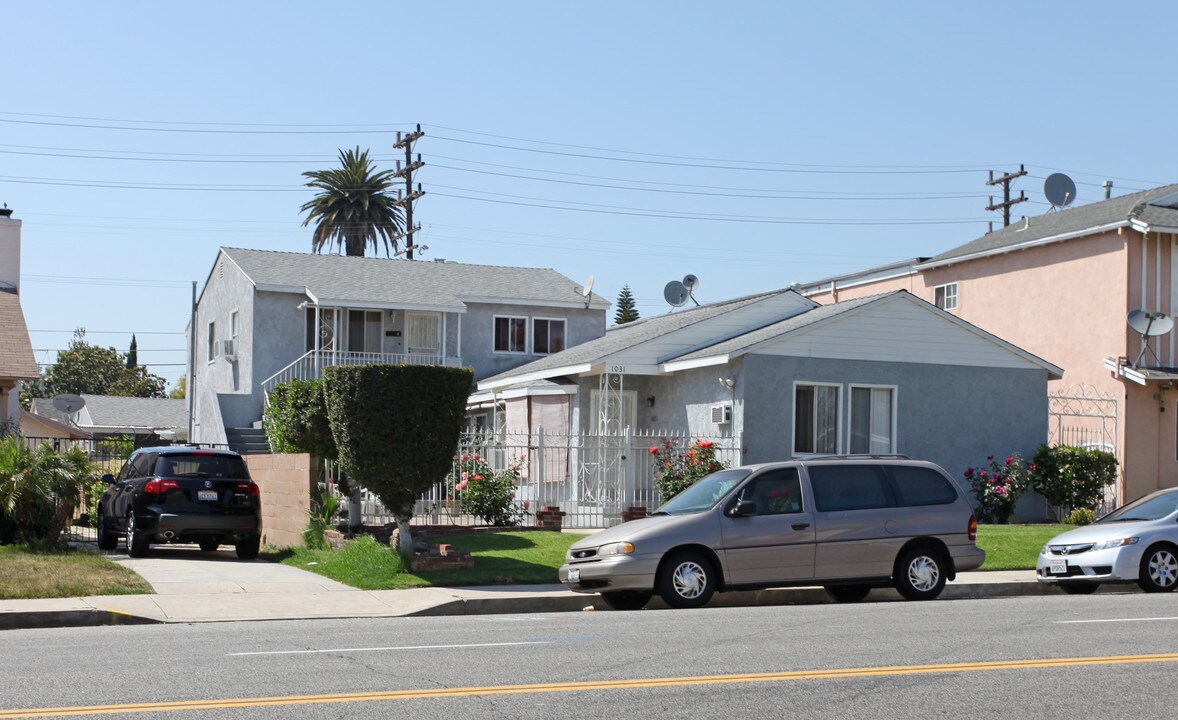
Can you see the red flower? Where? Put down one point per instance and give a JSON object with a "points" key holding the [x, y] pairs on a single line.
{"points": [[706, 444], [477, 477], [654, 451]]}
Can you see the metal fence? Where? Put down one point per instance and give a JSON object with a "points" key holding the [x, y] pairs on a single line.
{"points": [[592, 479]]}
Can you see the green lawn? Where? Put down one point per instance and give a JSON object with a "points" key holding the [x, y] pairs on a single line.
{"points": [[26, 573], [510, 557], [1015, 547]]}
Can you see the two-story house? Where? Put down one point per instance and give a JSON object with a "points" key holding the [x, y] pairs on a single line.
{"points": [[17, 363], [1062, 285], [264, 317]]}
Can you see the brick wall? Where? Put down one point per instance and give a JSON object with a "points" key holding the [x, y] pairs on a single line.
{"points": [[286, 482]]}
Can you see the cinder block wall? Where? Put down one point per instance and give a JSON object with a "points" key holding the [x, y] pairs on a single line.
{"points": [[286, 482]]}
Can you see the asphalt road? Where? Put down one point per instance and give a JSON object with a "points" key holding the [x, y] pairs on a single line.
{"points": [[1110, 655]]}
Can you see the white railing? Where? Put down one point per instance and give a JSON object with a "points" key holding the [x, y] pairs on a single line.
{"points": [[310, 365], [593, 479]]}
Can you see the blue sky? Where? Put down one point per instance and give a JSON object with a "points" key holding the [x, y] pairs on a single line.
{"points": [[753, 144]]}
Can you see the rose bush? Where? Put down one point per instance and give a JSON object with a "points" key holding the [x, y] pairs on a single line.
{"points": [[998, 487], [676, 468], [481, 491]]}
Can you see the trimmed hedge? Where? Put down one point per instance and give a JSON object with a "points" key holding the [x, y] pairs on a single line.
{"points": [[296, 421], [396, 427], [1072, 477]]}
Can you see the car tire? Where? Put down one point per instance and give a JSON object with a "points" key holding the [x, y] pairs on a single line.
{"points": [[847, 593], [625, 599], [1078, 588], [248, 549], [687, 580], [106, 539], [920, 574], [209, 545], [137, 541], [1159, 568]]}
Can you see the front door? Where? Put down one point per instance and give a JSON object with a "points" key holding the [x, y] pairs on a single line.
{"points": [[423, 334]]}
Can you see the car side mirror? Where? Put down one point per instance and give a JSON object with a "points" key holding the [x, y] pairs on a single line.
{"points": [[108, 479], [743, 508]]}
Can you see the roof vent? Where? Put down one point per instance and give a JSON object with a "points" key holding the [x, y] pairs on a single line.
{"points": [[442, 260]]}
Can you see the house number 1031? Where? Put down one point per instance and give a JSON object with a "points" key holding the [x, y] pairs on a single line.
{"points": [[617, 369]]}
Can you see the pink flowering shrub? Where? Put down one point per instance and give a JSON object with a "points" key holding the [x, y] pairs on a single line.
{"points": [[489, 495], [997, 487], [676, 468]]}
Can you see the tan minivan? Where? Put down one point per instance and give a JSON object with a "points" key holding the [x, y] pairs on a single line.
{"points": [[848, 523]]}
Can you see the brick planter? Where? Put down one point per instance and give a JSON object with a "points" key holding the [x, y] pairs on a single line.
{"points": [[550, 518], [634, 512]]}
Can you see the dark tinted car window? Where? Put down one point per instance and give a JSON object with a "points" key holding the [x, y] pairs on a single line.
{"points": [[141, 465], [850, 487], [775, 492], [922, 486], [201, 465]]}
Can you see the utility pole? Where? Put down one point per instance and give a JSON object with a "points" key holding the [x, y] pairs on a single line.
{"points": [[1007, 202], [406, 200]]}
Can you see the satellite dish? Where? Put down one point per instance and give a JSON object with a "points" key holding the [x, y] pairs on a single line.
{"points": [[690, 282], [69, 403], [1149, 324], [1059, 189], [588, 287], [676, 293]]}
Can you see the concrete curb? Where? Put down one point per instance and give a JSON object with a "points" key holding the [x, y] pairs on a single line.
{"points": [[36, 619]]}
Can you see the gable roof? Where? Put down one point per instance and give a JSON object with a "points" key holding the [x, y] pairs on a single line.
{"points": [[16, 351], [381, 282], [620, 338], [1155, 209], [111, 413], [721, 349]]}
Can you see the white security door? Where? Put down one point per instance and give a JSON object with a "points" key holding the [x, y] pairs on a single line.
{"points": [[423, 334]]}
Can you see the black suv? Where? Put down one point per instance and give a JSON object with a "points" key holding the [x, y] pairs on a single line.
{"points": [[181, 494]]}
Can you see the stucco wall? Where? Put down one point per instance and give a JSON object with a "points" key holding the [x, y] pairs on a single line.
{"points": [[286, 483], [226, 291], [10, 253]]}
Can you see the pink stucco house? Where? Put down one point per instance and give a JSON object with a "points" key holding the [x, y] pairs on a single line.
{"points": [[1061, 285]]}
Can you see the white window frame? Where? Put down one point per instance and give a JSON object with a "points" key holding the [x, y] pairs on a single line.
{"points": [[838, 421], [495, 329], [894, 389], [234, 326], [948, 300], [212, 341], [549, 320]]}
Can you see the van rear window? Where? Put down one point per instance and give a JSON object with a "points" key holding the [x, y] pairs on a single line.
{"points": [[202, 466], [850, 487], [922, 486]]}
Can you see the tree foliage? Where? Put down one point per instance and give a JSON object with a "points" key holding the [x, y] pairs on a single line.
{"points": [[88, 369], [296, 420], [133, 353], [396, 428], [354, 208], [180, 391], [626, 310]]}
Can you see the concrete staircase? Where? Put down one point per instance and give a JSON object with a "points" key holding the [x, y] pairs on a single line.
{"points": [[247, 441]]}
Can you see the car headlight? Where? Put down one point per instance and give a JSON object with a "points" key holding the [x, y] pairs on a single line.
{"points": [[1110, 544], [618, 548], [1046, 550]]}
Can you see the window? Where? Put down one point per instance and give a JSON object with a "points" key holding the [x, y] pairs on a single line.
{"points": [[511, 334], [775, 492], [212, 341], [850, 487], [233, 325], [816, 419], [547, 336], [364, 331], [922, 486], [872, 420], [945, 296]]}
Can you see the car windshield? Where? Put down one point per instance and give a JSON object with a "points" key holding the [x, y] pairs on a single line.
{"points": [[1150, 507], [705, 493]]}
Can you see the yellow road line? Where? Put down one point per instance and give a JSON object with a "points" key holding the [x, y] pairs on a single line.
{"points": [[582, 686]]}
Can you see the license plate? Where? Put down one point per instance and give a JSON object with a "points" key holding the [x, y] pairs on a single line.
{"points": [[206, 495], [575, 575], [1059, 567]]}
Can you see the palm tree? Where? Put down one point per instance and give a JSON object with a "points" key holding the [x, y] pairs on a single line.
{"points": [[353, 208]]}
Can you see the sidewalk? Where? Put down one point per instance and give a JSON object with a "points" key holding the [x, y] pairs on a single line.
{"points": [[196, 587]]}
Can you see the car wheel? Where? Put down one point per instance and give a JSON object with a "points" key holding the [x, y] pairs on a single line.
{"points": [[687, 580], [1159, 569], [920, 574], [106, 539], [209, 545], [847, 593], [137, 542], [625, 599], [1079, 588], [248, 549]]}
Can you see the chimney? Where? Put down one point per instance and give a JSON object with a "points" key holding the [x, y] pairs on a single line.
{"points": [[1108, 189]]}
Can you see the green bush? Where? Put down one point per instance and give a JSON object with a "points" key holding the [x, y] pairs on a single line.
{"points": [[484, 493], [296, 420], [1081, 516], [40, 490], [1072, 477], [320, 517]]}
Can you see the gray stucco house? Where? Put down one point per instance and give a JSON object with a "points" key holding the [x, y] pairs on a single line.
{"points": [[784, 376], [266, 316]]}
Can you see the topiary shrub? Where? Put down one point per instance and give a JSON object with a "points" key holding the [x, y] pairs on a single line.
{"points": [[296, 420], [1072, 477]]}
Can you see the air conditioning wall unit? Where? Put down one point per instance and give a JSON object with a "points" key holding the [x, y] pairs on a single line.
{"points": [[227, 350], [722, 414]]}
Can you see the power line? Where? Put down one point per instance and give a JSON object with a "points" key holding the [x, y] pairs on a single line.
{"points": [[113, 332]]}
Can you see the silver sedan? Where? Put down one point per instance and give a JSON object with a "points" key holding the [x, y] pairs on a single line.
{"points": [[1137, 542]]}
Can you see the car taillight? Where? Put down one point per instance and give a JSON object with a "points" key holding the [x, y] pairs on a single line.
{"points": [[159, 487], [247, 488], [973, 528]]}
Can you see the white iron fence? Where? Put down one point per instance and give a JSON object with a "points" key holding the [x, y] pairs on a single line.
{"points": [[592, 479]]}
